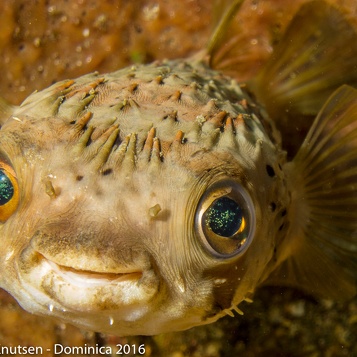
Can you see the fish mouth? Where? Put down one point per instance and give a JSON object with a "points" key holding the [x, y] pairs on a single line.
{"points": [[90, 278], [81, 292]]}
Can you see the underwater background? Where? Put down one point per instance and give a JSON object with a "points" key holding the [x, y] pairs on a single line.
{"points": [[42, 42]]}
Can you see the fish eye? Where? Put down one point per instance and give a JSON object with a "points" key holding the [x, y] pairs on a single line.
{"points": [[225, 219], [9, 192]]}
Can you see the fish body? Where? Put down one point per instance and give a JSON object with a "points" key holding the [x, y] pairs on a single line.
{"points": [[159, 197]]}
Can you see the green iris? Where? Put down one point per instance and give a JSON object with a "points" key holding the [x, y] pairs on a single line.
{"points": [[6, 188], [224, 217]]}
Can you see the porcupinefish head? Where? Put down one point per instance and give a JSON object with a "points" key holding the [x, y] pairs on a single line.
{"points": [[137, 196], [158, 198]]}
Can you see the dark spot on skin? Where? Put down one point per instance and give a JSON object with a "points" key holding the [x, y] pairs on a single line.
{"points": [[172, 115], [270, 171], [99, 192], [275, 258], [138, 28], [79, 178], [272, 206], [283, 213], [72, 122], [281, 227], [216, 308], [107, 172]]}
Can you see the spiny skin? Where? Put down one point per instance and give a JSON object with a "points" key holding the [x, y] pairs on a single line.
{"points": [[112, 170]]}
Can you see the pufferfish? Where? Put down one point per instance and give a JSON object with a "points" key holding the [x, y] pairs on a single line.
{"points": [[159, 197]]}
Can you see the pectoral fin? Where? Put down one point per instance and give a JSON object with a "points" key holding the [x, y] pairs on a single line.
{"points": [[321, 245]]}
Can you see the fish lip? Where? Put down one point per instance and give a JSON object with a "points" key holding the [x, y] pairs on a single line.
{"points": [[87, 278]]}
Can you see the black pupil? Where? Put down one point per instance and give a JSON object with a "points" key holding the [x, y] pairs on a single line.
{"points": [[6, 188], [224, 217]]}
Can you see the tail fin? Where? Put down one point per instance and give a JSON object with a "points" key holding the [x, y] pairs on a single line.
{"points": [[322, 240]]}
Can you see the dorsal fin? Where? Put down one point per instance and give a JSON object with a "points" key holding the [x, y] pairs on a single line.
{"points": [[316, 55]]}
